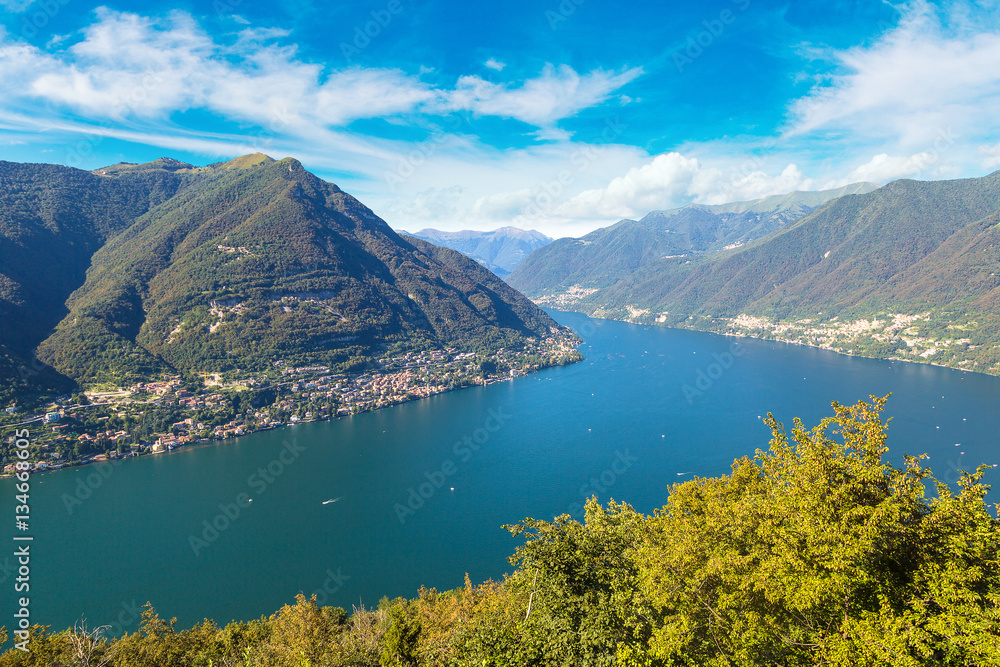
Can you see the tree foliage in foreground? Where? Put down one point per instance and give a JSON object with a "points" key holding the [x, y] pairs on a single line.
{"points": [[814, 552]]}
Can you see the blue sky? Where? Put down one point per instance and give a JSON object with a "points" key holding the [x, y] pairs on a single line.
{"points": [[560, 116]]}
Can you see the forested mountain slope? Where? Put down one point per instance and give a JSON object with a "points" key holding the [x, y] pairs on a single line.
{"points": [[162, 267], [911, 270], [611, 254]]}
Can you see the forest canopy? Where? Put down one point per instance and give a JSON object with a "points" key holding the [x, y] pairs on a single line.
{"points": [[815, 551]]}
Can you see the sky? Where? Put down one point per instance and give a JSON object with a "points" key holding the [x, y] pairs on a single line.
{"points": [[556, 115]]}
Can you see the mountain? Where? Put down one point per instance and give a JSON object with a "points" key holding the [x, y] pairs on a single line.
{"points": [[167, 267], [911, 270], [501, 251], [52, 220], [608, 255]]}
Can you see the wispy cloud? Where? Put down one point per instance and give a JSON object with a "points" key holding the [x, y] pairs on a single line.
{"points": [[918, 101], [936, 70], [558, 93], [16, 6], [178, 66]]}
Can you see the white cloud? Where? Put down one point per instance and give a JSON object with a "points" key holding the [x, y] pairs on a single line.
{"points": [[149, 68], [559, 92], [991, 156], [434, 204], [665, 180], [522, 187], [16, 6], [919, 102], [672, 180], [935, 72], [129, 76], [882, 168]]}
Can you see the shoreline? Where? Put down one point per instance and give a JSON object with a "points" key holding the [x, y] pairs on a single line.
{"points": [[119, 460], [728, 331]]}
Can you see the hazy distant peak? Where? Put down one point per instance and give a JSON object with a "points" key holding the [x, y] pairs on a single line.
{"points": [[513, 232], [500, 250], [777, 203]]}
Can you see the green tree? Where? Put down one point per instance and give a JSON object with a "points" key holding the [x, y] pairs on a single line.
{"points": [[399, 645], [818, 552], [573, 599], [305, 633]]}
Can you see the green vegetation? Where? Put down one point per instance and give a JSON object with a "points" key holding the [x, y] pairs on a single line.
{"points": [[909, 248], [52, 220], [149, 417], [609, 255], [166, 268], [814, 552]]}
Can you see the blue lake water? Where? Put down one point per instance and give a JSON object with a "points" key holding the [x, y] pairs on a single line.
{"points": [[420, 491]]}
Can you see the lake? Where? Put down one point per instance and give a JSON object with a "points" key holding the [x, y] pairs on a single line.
{"points": [[381, 503]]}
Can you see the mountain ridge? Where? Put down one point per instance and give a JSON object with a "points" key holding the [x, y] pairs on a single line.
{"points": [[610, 254], [907, 271], [242, 264]]}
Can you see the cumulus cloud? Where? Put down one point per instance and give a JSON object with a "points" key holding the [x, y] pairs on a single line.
{"points": [[883, 168], [665, 180], [435, 204], [495, 64], [671, 180]]}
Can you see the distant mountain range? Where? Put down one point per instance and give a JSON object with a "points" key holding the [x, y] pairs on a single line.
{"points": [[501, 250], [133, 270], [611, 254], [909, 270]]}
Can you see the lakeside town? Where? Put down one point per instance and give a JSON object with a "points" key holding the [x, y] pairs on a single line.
{"points": [[923, 338], [173, 411], [939, 337]]}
